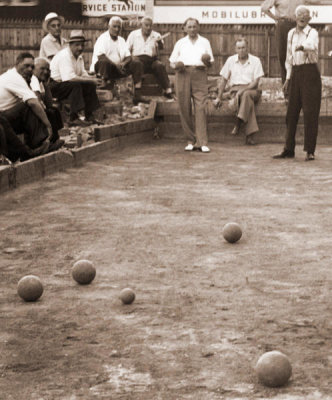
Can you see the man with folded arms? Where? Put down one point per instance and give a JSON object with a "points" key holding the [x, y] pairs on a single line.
{"points": [[70, 80], [242, 72], [144, 45]]}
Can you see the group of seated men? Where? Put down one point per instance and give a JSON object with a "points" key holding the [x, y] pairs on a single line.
{"points": [[27, 90]]}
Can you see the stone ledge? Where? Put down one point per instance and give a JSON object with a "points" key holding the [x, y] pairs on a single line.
{"points": [[7, 174]]}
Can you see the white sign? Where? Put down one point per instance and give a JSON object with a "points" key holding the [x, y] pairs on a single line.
{"points": [[229, 15], [98, 8]]}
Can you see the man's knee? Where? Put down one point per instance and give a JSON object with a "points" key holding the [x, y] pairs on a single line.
{"points": [[158, 66]]}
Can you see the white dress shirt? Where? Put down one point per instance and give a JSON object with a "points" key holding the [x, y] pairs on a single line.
{"points": [[115, 50], [190, 53], [64, 66], [138, 45], [13, 90], [37, 86], [49, 46], [308, 38], [237, 73]]}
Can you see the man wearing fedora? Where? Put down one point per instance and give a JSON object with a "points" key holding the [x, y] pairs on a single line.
{"points": [[53, 42], [70, 80]]}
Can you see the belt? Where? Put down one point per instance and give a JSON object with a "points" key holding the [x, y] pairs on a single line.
{"points": [[195, 66]]}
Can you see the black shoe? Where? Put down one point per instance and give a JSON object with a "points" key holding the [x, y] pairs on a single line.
{"points": [[54, 146], [139, 99], [250, 141], [285, 154], [309, 157]]}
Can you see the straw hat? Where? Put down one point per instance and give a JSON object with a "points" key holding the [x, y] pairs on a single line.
{"points": [[77, 36], [49, 17]]}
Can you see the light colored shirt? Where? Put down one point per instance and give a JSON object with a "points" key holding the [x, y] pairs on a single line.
{"points": [[13, 90], [49, 46], [37, 86], [116, 50], [191, 53], [237, 73], [308, 38], [138, 45], [285, 8], [64, 66]]}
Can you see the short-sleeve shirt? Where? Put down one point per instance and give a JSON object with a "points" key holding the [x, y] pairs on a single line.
{"points": [[13, 90], [237, 73], [285, 8], [190, 53], [138, 45], [64, 66], [50, 46], [36, 86], [115, 50]]}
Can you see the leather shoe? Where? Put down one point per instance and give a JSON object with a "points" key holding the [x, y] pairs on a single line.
{"points": [[54, 146], [250, 141], [284, 154], [309, 157]]}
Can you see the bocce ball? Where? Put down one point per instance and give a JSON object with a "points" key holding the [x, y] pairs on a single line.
{"points": [[273, 369], [30, 288], [83, 272], [232, 232], [127, 296], [206, 58]]}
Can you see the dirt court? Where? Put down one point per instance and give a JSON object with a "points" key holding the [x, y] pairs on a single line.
{"points": [[151, 218]]}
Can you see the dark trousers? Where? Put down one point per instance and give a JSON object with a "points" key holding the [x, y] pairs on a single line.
{"points": [[10, 145], [282, 28], [109, 71], [305, 91], [54, 116], [81, 95], [24, 120], [145, 64]]}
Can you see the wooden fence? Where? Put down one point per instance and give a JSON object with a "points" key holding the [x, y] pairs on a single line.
{"points": [[22, 35]]}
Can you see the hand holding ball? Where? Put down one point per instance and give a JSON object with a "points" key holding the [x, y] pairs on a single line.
{"points": [[30, 288], [273, 369], [83, 272], [179, 66], [206, 59]]}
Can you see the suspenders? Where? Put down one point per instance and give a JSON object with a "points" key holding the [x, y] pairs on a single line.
{"points": [[307, 59]]}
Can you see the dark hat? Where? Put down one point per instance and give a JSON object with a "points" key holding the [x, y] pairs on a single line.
{"points": [[77, 36]]}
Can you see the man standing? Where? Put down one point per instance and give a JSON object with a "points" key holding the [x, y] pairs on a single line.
{"points": [[40, 85], [191, 57], [144, 45], [303, 83], [111, 55], [242, 71], [21, 107], [52, 43], [70, 80]]}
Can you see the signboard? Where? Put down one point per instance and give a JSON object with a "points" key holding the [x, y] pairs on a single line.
{"points": [[98, 8], [23, 3], [226, 12]]}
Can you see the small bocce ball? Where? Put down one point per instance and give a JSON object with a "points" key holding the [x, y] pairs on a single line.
{"points": [[206, 58], [273, 369], [30, 288], [83, 272], [232, 232], [127, 296]]}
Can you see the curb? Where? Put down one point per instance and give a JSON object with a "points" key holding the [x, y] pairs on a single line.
{"points": [[110, 138]]}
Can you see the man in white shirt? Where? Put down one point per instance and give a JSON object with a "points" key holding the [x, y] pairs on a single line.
{"points": [[242, 73], [21, 107], [70, 80], [111, 55], [144, 45], [53, 42], [303, 83], [191, 57], [40, 85]]}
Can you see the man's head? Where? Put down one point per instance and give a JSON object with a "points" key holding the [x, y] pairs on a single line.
{"points": [[53, 23], [146, 26], [25, 65], [42, 69], [77, 42], [302, 16], [241, 48], [114, 26], [191, 27]]}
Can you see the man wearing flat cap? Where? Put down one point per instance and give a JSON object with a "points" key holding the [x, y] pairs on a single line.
{"points": [[53, 42], [70, 80]]}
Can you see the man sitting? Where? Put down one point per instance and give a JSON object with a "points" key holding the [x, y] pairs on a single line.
{"points": [[70, 80], [21, 107], [52, 43], [40, 85], [242, 72], [144, 45], [110, 55]]}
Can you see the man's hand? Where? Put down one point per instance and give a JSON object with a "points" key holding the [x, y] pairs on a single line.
{"points": [[50, 132], [285, 87], [103, 57], [299, 48], [206, 59], [240, 93], [217, 103], [179, 66]]}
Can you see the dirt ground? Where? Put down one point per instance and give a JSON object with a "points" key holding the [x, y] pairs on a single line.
{"points": [[151, 219]]}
